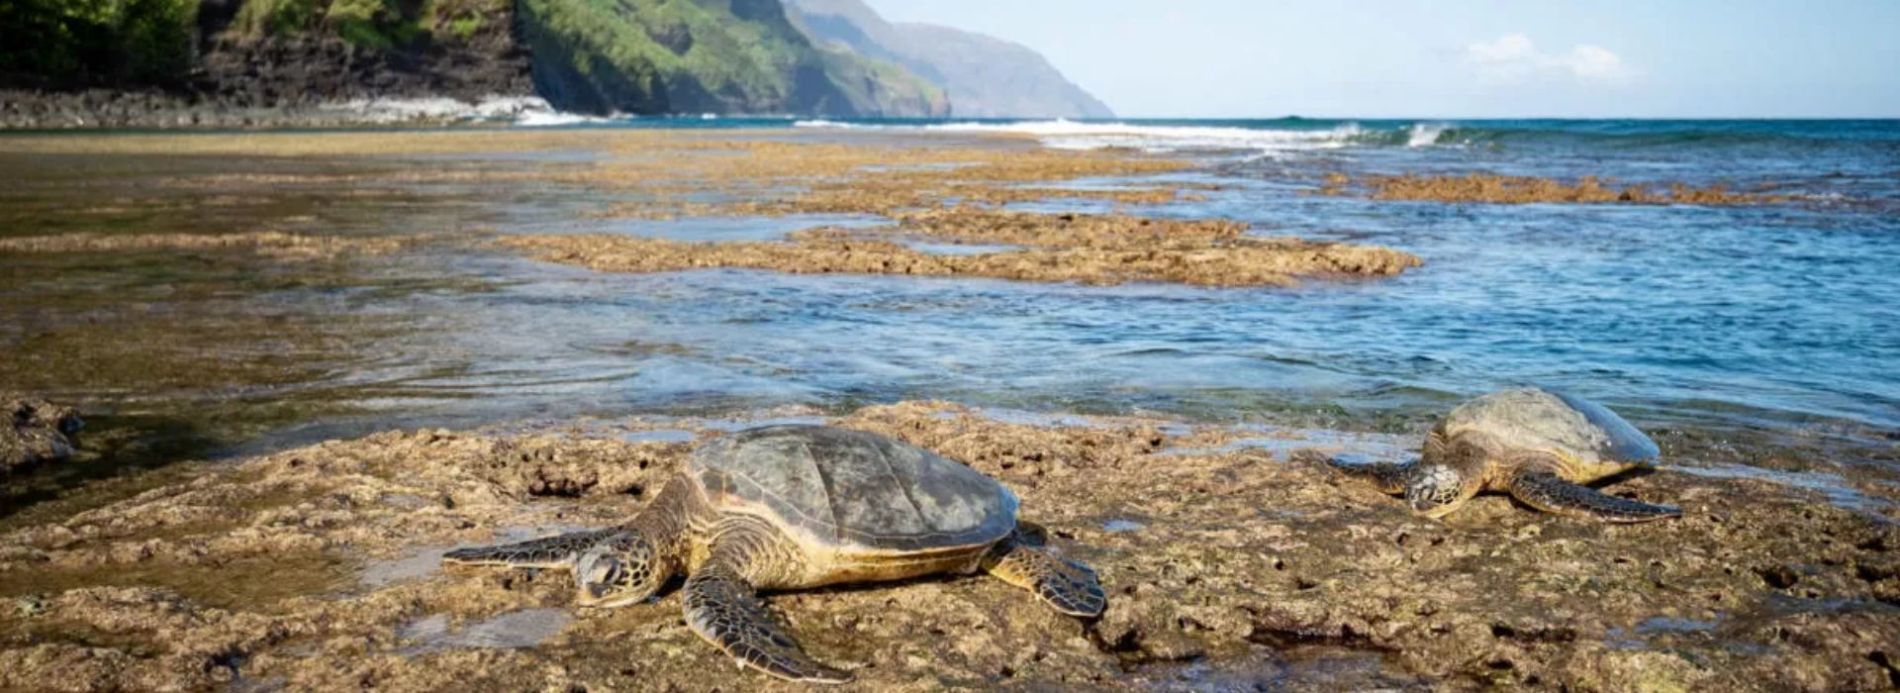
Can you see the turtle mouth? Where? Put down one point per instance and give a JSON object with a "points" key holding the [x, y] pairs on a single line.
{"points": [[1435, 512], [600, 598]]}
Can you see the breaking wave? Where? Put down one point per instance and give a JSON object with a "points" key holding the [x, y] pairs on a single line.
{"points": [[1304, 134], [1069, 134], [503, 109]]}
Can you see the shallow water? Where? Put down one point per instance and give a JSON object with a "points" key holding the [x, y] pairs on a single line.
{"points": [[1772, 319], [723, 228], [515, 629]]}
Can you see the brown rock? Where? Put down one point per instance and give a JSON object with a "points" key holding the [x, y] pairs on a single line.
{"points": [[1227, 567], [34, 431], [1088, 249]]}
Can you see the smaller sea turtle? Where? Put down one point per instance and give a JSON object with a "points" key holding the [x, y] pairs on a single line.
{"points": [[789, 507], [1538, 445]]}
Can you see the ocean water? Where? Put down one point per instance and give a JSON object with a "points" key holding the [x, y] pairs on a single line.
{"points": [[1776, 319], [1777, 316]]}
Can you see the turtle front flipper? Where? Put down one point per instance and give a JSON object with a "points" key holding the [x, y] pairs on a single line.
{"points": [[725, 610], [1544, 490], [1066, 585], [558, 551], [1388, 477]]}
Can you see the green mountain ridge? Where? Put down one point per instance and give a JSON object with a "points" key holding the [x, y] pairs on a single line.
{"points": [[705, 56], [592, 56], [985, 77]]}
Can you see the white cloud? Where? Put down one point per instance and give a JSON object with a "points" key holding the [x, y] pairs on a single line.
{"points": [[1515, 58]]}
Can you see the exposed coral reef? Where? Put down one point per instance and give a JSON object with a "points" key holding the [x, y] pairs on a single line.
{"points": [[1500, 189], [1089, 249], [316, 568]]}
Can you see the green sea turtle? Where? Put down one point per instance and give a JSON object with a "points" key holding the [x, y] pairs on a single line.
{"points": [[788, 507], [1538, 445]]}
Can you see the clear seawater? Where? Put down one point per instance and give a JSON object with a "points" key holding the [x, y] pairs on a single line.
{"points": [[1778, 318], [1754, 316]]}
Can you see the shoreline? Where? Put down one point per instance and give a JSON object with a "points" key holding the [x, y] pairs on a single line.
{"points": [[104, 111]]}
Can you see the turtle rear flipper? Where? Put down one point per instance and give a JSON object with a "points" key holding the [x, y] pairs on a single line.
{"points": [[557, 551], [1544, 490], [1066, 585]]}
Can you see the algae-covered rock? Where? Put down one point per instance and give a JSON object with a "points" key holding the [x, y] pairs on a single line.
{"points": [[1225, 567], [34, 431]]}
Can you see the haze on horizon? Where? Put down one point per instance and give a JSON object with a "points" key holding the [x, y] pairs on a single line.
{"points": [[1465, 59]]}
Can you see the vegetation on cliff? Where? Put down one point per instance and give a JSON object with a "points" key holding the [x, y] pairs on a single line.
{"points": [[378, 24], [61, 43], [717, 56], [636, 56]]}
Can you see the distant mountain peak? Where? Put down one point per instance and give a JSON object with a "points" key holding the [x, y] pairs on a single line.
{"points": [[984, 76]]}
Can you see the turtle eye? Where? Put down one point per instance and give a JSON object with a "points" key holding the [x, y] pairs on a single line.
{"points": [[598, 573], [604, 578]]}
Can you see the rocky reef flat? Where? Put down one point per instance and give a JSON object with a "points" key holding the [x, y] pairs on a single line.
{"points": [[1085, 249], [1231, 557], [944, 207], [1502, 189]]}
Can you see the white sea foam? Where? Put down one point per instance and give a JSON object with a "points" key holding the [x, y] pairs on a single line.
{"points": [[1425, 134], [553, 118], [490, 108], [822, 123], [523, 111], [1068, 134]]}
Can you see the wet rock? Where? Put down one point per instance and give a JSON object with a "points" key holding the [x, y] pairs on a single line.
{"points": [[274, 244], [1244, 567], [1500, 189], [1089, 249], [34, 431]]}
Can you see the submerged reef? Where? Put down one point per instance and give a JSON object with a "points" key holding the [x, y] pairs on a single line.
{"points": [[1090, 249], [317, 568], [1499, 189], [272, 244]]}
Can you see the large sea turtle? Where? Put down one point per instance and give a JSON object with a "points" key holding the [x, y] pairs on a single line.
{"points": [[787, 507], [1538, 445]]}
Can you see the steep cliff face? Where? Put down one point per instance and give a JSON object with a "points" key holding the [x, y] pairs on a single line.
{"points": [[706, 56], [107, 62], [984, 76]]}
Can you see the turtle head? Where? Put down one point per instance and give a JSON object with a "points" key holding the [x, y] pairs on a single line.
{"points": [[622, 569], [1434, 490], [1452, 471]]}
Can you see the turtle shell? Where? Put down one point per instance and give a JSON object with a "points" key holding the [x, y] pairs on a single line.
{"points": [[1535, 419], [853, 491]]}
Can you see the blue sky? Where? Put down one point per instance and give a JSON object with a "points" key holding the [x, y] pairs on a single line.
{"points": [[1372, 58]]}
